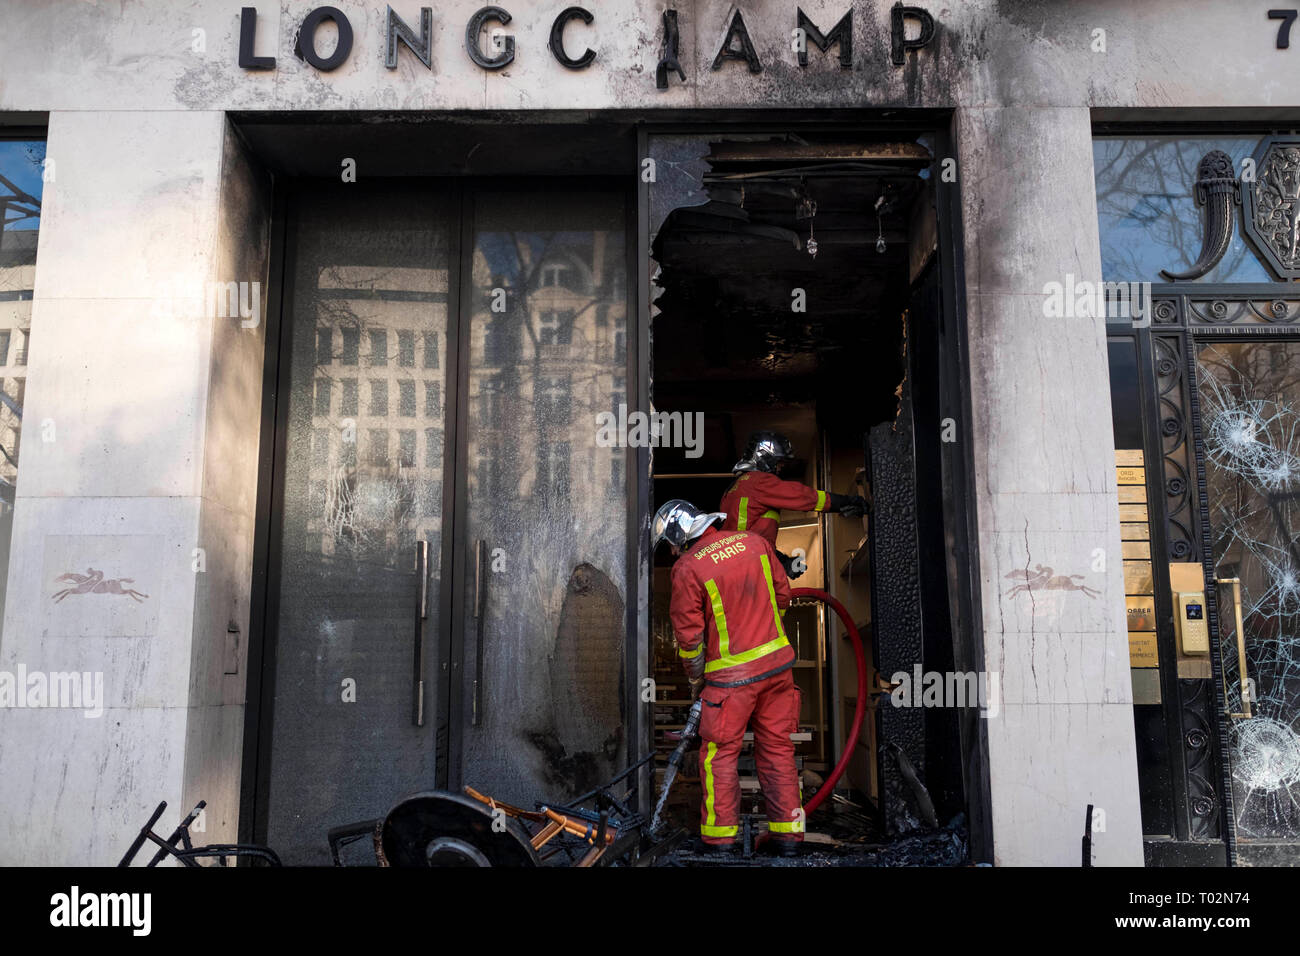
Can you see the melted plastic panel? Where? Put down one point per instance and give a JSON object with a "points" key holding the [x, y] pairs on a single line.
{"points": [[679, 166], [547, 499], [1250, 413], [362, 484]]}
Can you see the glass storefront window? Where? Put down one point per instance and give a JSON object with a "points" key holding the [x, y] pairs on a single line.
{"points": [[21, 182], [1147, 212]]}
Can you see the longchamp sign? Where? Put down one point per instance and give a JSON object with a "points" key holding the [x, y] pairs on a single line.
{"points": [[736, 43]]}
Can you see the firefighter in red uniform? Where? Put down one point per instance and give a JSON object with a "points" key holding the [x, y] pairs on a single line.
{"points": [[755, 499], [728, 595]]}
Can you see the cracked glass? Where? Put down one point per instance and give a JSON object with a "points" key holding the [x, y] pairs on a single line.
{"points": [[1250, 420]]}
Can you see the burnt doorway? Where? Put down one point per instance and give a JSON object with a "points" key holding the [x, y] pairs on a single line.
{"points": [[448, 571], [795, 287]]}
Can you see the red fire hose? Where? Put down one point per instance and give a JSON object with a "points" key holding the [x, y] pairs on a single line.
{"points": [[859, 709]]}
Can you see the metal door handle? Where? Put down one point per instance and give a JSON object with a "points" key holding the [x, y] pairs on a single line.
{"points": [[1245, 712], [480, 615], [421, 615]]}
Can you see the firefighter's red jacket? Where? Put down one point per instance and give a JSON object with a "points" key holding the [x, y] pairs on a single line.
{"points": [[728, 594], [755, 499]]}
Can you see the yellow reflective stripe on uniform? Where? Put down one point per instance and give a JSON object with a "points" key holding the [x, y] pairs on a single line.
{"points": [[744, 657], [773, 514], [719, 618], [725, 659], [688, 655], [742, 515], [708, 788], [794, 826], [821, 501], [771, 593], [719, 831]]}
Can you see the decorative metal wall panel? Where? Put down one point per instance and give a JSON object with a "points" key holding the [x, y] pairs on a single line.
{"points": [[1179, 519], [1271, 205], [1242, 311], [1262, 312], [1196, 715]]}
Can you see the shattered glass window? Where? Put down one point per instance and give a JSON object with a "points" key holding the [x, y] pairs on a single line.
{"points": [[1147, 211], [1250, 417]]}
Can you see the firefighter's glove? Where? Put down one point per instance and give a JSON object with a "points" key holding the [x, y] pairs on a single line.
{"points": [[851, 506], [791, 570], [695, 675]]}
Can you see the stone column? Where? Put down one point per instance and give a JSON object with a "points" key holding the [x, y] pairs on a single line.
{"points": [[138, 469], [1051, 577]]}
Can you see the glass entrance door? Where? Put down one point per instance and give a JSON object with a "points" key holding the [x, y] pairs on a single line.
{"points": [[448, 571], [544, 505], [1249, 394], [360, 510], [356, 700]]}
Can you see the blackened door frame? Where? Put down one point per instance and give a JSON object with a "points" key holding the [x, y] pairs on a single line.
{"points": [[954, 387]]}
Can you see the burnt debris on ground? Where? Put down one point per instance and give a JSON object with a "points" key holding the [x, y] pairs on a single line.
{"points": [[843, 833]]}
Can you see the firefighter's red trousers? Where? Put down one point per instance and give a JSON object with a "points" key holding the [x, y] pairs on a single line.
{"points": [[770, 708]]}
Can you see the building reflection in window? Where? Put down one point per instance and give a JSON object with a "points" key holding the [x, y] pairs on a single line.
{"points": [[21, 189], [548, 322]]}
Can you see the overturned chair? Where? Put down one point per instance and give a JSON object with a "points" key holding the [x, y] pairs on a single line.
{"points": [[439, 828]]}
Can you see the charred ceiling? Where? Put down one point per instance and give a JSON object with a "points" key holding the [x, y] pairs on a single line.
{"points": [[786, 284]]}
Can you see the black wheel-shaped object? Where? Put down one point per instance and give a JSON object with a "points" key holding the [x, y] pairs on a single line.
{"points": [[436, 828]]}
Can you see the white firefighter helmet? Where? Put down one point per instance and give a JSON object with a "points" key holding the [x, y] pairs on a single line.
{"points": [[679, 522], [765, 451]]}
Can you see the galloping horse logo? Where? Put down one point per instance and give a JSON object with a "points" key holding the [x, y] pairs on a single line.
{"points": [[1045, 579], [92, 582]]}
